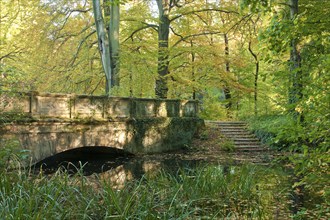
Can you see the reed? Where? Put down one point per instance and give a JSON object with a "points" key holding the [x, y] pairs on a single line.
{"points": [[206, 192]]}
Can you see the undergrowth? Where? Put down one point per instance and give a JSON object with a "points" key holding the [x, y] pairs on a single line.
{"points": [[307, 140]]}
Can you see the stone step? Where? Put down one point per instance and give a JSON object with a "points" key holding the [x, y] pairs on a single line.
{"points": [[231, 132], [238, 135], [247, 143], [251, 148], [229, 125], [225, 122], [238, 132], [233, 128], [248, 139]]}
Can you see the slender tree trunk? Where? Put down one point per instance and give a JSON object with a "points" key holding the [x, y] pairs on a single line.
{"points": [[295, 90], [193, 68], [256, 76], [103, 43], [226, 89], [163, 62], [113, 33]]}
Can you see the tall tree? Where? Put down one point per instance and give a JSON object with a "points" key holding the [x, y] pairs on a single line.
{"points": [[112, 12], [226, 88], [256, 77], [108, 40], [104, 47], [295, 90], [114, 41], [164, 7]]}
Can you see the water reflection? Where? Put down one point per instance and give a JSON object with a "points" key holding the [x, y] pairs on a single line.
{"points": [[115, 166], [118, 166], [87, 160]]}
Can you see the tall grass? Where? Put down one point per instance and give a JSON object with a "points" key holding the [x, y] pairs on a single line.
{"points": [[208, 192]]}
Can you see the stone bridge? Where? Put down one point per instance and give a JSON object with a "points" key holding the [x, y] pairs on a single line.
{"points": [[47, 124]]}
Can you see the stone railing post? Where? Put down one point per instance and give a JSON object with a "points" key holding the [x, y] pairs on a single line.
{"points": [[33, 107]]}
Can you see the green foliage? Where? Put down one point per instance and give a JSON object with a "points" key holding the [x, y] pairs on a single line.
{"points": [[213, 111], [12, 156], [278, 131], [313, 168], [255, 5], [213, 105], [11, 80], [227, 145], [302, 127], [204, 135], [277, 35], [310, 143]]}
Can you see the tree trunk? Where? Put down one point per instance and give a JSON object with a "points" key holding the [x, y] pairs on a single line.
{"points": [[226, 88], [295, 90], [193, 68], [113, 33], [163, 62], [256, 76], [103, 43], [256, 88]]}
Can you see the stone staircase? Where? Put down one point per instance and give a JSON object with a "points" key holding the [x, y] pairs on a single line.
{"points": [[243, 139]]}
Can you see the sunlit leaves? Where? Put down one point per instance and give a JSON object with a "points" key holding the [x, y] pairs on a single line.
{"points": [[256, 5]]}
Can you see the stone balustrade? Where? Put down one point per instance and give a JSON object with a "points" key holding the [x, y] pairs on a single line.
{"points": [[71, 106]]}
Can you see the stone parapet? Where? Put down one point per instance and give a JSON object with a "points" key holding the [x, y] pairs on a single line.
{"points": [[103, 108]]}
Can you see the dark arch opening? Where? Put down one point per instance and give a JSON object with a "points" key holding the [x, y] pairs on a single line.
{"points": [[87, 160]]}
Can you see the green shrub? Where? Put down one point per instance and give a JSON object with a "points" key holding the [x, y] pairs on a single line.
{"points": [[227, 145]]}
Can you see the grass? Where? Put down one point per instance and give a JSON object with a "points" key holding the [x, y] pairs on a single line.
{"points": [[208, 192], [227, 145]]}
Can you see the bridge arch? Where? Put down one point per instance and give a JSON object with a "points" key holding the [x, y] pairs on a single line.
{"points": [[102, 158]]}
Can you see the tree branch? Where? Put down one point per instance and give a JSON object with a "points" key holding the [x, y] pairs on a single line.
{"points": [[179, 54], [196, 35], [11, 54], [252, 53], [202, 10], [153, 26], [239, 22], [79, 47], [179, 35], [80, 10], [201, 18], [76, 34]]}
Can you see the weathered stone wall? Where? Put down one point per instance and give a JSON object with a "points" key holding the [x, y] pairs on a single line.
{"points": [[56, 123], [70, 106]]}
